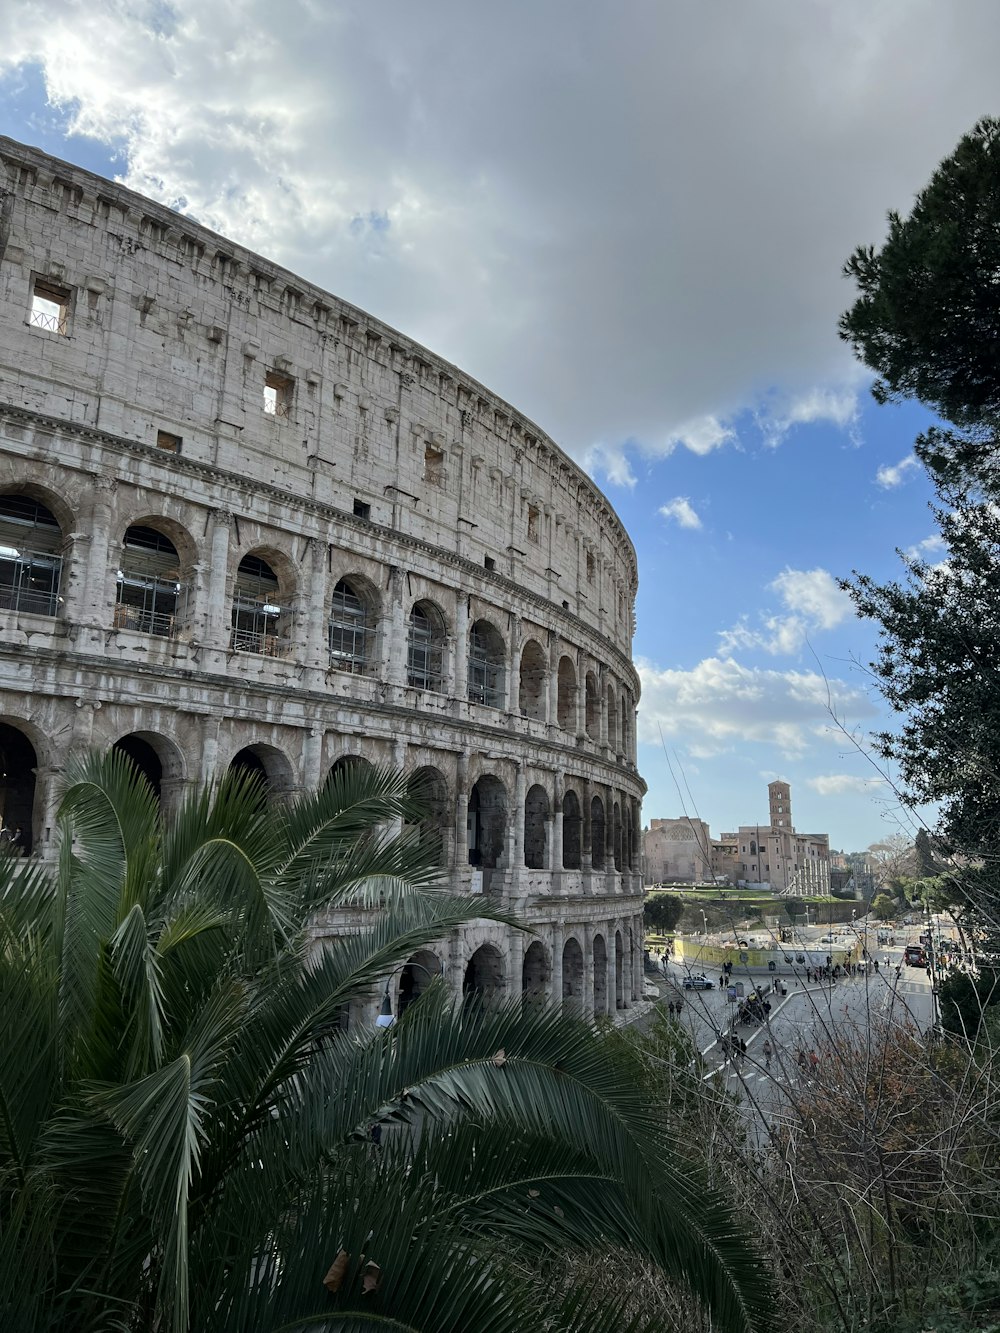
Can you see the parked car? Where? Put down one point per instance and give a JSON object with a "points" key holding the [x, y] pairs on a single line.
{"points": [[698, 982]]}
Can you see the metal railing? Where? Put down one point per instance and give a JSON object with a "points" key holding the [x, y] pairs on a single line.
{"points": [[255, 641], [142, 621]]}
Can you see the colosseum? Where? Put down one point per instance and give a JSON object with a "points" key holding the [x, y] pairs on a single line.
{"points": [[244, 523]]}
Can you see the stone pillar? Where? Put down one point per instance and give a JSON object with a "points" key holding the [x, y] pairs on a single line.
{"points": [[581, 696], [552, 693], [517, 861], [217, 612], [557, 971], [638, 940], [314, 602], [210, 749], [588, 970], [458, 683], [602, 687], [462, 813], [586, 848], [511, 687], [395, 651], [516, 964], [95, 594], [312, 759], [45, 811]]}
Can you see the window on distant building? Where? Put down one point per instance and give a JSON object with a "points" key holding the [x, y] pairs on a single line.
{"points": [[171, 443], [50, 307], [278, 394]]}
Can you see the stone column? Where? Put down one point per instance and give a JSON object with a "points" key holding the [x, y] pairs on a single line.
{"points": [[394, 654], [95, 595], [581, 696], [315, 608], [638, 940], [48, 793], [586, 847], [516, 964], [462, 813], [557, 971], [217, 614], [210, 748], [552, 693], [602, 686], [458, 683], [588, 970], [517, 861], [512, 671], [312, 759]]}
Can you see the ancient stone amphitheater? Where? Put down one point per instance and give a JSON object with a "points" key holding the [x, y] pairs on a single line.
{"points": [[244, 523]]}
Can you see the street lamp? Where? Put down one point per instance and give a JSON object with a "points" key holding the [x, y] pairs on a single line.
{"points": [[386, 1018], [704, 923]]}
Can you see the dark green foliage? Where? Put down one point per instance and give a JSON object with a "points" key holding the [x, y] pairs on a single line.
{"points": [[661, 912], [884, 908], [185, 1129], [964, 1000]]}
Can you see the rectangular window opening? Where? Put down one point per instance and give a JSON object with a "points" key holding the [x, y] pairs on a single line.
{"points": [[434, 466], [277, 394], [489, 562], [533, 523], [50, 305], [169, 442], [362, 510]]}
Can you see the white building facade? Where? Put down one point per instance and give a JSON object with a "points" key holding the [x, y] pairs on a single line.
{"points": [[242, 522]]}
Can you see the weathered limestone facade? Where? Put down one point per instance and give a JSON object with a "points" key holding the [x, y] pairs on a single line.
{"points": [[677, 851], [242, 521]]}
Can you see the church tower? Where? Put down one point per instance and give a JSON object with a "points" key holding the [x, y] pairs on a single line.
{"points": [[779, 795]]}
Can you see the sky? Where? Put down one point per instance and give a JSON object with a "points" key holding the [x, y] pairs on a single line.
{"points": [[630, 220]]}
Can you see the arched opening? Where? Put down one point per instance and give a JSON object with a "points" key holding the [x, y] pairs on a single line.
{"points": [[425, 648], [487, 823], [483, 983], [600, 975], [592, 701], [260, 622], [571, 831], [572, 973], [347, 763], [267, 764], [612, 722], [616, 834], [18, 764], [619, 971], [351, 629], [566, 695], [144, 757], [414, 978], [486, 665], [428, 788], [149, 597], [536, 817], [533, 678], [536, 974], [635, 863], [597, 833], [31, 544]]}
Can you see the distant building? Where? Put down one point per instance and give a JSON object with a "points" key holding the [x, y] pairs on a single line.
{"points": [[677, 851], [774, 855]]}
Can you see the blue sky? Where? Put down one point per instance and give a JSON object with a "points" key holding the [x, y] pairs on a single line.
{"points": [[628, 220]]}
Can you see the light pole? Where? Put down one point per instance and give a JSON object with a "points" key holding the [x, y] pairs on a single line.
{"points": [[386, 1018], [704, 923]]}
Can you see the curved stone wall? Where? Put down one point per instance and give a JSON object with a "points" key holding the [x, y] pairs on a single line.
{"points": [[241, 521]]}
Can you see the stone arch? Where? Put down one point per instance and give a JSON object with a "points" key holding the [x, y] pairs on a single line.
{"points": [[612, 721], [158, 759], [18, 769], [600, 975], [572, 830], [425, 647], [572, 974], [616, 834], [269, 764], [32, 545], [486, 672], [427, 786], [484, 982], [345, 764], [352, 626], [415, 976], [263, 592], [566, 695], [593, 706], [487, 822], [597, 833], [153, 580], [619, 971], [536, 818], [533, 682], [536, 974]]}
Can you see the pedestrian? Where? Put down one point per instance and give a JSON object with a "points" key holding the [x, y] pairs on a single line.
{"points": [[876, 964], [743, 1048], [928, 971], [673, 1008], [767, 1054], [722, 981], [680, 1006]]}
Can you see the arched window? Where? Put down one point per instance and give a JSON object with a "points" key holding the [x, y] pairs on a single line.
{"points": [[567, 694], [149, 597], [424, 655], [351, 630], [259, 619], [536, 817], [571, 829], [30, 556], [487, 822], [428, 788], [597, 833], [593, 707], [486, 665], [572, 971], [533, 676], [18, 765]]}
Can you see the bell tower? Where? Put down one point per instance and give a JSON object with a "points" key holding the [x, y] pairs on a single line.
{"points": [[779, 795]]}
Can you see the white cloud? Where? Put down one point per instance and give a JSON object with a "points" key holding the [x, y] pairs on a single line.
{"points": [[839, 784], [930, 546], [890, 476], [838, 406], [812, 601], [720, 702], [573, 251], [680, 509]]}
